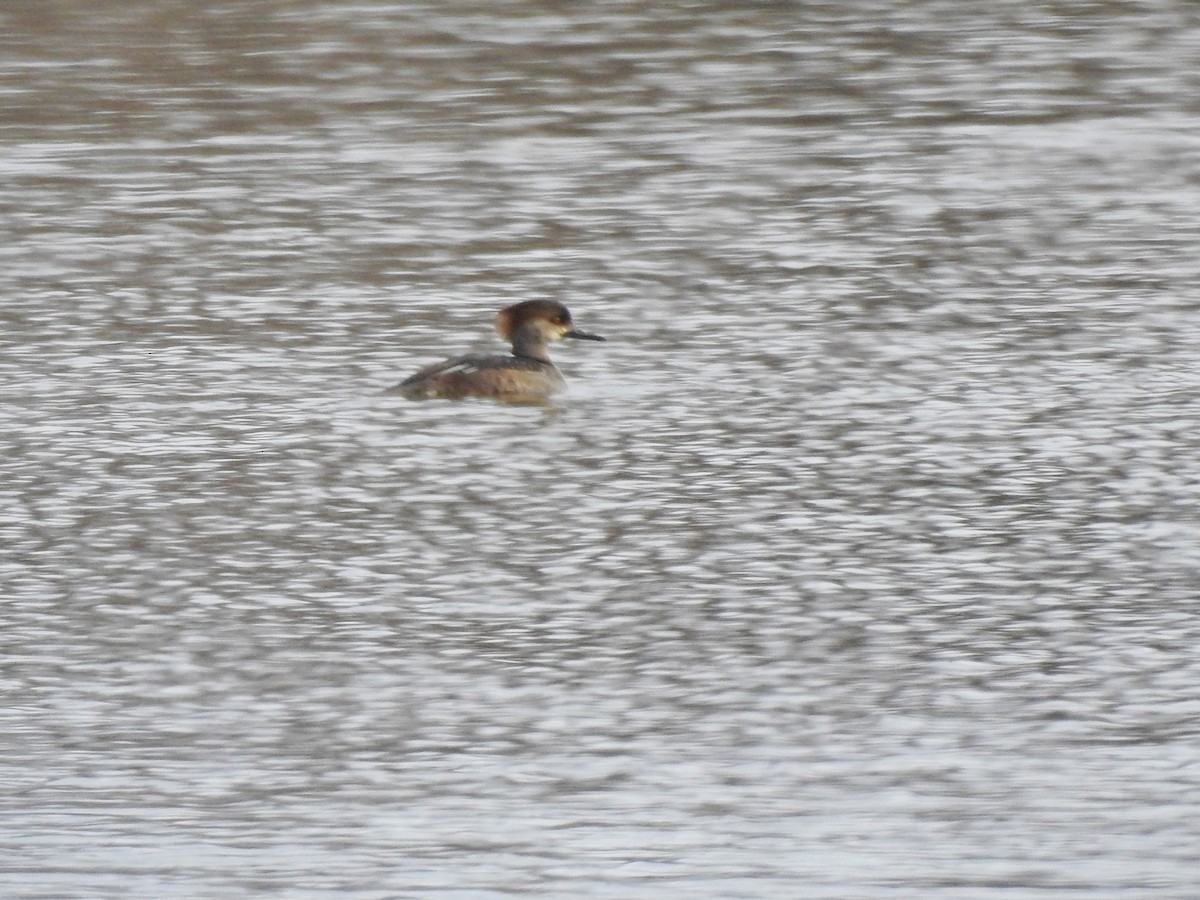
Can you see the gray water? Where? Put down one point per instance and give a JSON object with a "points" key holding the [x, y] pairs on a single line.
{"points": [[861, 562]]}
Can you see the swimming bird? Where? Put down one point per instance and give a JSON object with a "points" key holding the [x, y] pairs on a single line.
{"points": [[527, 376]]}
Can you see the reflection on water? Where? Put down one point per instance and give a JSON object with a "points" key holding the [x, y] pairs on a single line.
{"points": [[861, 558]]}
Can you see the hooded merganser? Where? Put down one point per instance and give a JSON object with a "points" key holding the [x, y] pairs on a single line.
{"points": [[527, 376]]}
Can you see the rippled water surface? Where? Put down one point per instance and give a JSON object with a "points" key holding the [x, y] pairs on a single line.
{"points": [[861, 562]]}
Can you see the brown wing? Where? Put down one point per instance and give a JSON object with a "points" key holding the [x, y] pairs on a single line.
{"points": [[513, 379]]}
